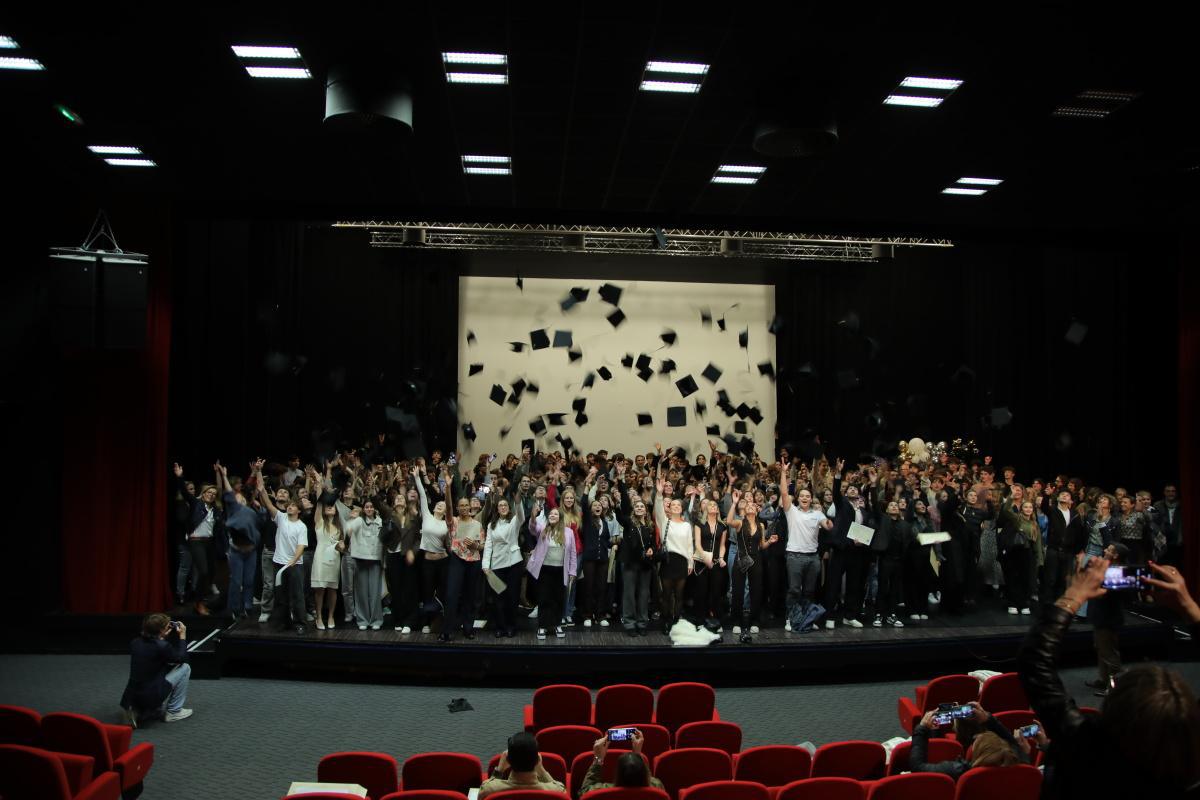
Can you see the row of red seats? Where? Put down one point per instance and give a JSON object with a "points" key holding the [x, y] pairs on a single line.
{"points": [[109, 748], [624, 703], [772, 766], [998, 693], [982, 783]]}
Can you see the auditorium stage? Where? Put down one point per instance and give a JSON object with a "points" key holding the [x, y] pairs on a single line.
{"points": [[982, 639]]}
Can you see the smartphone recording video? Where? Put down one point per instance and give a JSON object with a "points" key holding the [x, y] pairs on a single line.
{"points": [[1125, 577], [620, 734], [947, 716], [1029, 731]]}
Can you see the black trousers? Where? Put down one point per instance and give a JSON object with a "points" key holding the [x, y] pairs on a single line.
{"points": [[289, 597], [1055, 572], [504, 605], [1018, 567], [552, 594], [403, 581], [707, 592], [433, 586], [775, 585], [918, 576], [891, 586], [202, 565], [851, 562], [462, 580], [755, 576], [595, 584]]}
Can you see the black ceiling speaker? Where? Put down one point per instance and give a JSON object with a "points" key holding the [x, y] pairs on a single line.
{"points": [[797, 135], [368, 92]]}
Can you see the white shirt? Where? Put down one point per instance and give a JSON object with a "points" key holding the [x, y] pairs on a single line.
{"points": [[205, 529], [803, 527], [289, 537], [1066, 514]]}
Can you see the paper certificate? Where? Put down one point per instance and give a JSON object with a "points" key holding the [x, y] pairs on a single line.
{"points": [[495, 582], [861, 533], [937, 537]]}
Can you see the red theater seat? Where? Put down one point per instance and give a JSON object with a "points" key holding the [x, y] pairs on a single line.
{"points": [[726, 790], [679, 769], [725, 736], [680, 703], [608, 770], [554, 764], [1013, 719], [1003, 693], [30, 773], [772, 765], [913, 786], [862, 761], [109, 745], [823, 789], [567, 741], [946, 689], [939, 750], [376, 772], [323, 796], [529, 794], [20, 725], [622, 793], [423, 794], [1020, 782], [623, 704], [559, 704], [655, 738], [457, 772]]}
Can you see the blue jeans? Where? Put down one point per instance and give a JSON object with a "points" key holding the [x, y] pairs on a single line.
{"points": [[803, 570], [178, 677], [185, 571], [241, 580], [569, 611]]}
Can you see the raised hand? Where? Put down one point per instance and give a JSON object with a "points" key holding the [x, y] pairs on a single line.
{"points": [[839, 464], [178, 470]]}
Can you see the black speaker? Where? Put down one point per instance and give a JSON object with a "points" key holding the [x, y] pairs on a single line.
{"points": [[99, 303]]}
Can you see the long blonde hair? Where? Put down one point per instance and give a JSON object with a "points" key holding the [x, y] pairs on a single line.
{"points": [[557, 530]]}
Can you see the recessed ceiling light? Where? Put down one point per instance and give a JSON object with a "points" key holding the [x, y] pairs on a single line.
{"points": [[909, 100], [679, 67], [279, 72], [982, 181], [670, 86], [130, 162], [8, 43], [114, 149], [733, 179], [741, 168], [265, 51], [941, 84], [487, 159], [476, 77], [29, 64], [493, 59], [487, 170], [962, 190], [1095, 103]]}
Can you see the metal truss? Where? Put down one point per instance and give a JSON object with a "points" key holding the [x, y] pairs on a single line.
{"points": [[652, 241]]}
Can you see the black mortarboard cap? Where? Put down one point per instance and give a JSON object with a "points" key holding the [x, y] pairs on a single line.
{"points": [[731, 442], [519, 386], [579, 293], [574, 354], [475, 370], [746, 445], [533, 388], [520, 283], [566, 442], [776, 324], [557, 418], [567, 303], [668, 336], [517, 347], [739, 427], [645, 419], [610, 294], [605, 373], [756, 416], [687, 385], [643, 361], [768, 369], [721, 323], [470, 337], [645, 374], [537, 425], [562, 339], [505, 431], [727, 407], [705, 317], [616, 318], [1076, 333], [676, 416], [667, 367], [627, 361], [712, 373], [722, 396], [498, 394], [469, 432], [744, 338], [589, 381], [701, 408], [713, 430], [743, 411], [579, 404], [581, 419], [539, 339]]}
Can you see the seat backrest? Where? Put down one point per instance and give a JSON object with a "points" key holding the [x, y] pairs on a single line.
{"points": [[725, 736], [623, 793], [20, 725], [1003, 693], [726, 790], [863, 761], [623, 704], [1019, 782], [324, 796], [567, 741], [29, 772], [553, 763], [772, 764], [680, 768], [938, 750], [421, 794], [562, 704], [529, 794], [1013, 719], [374, 771], [823, 789], [79, 734], [679, 703], [608, 770], [950, 689], [656, 739], [457, 772], [913, 786]]}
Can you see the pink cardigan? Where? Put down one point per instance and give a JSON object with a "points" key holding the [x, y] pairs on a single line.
{"points": [[537, 527]]}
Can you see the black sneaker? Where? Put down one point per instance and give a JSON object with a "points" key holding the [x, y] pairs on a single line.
{"points": [[541, 633], [558, 632]]}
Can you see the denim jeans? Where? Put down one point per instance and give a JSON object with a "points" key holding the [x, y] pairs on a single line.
{"points": [[268, 581], [185, 571], [804, 570], [178, 678], [241, 580]]}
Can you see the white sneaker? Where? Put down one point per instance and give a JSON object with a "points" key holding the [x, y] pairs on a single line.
{"points": [[426, 629], [853, 623], [405, 630], [933, 599], [737, 629], [877, 623], [175, 716], [263, 617], [376, 626], [915, 617], [896, 623], [1012, 609], [1025, 611], [559, 633], [309, 617], [924, 616], [787, 625], [587, 623], [362, 627], [533, 614], [603, 623], [829, 625], [753, 629], [541, 634]]}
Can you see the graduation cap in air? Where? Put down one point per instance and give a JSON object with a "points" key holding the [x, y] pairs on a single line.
{"points": [[743, 410], [566, 442], [744, 338], [589, 380], [574, 354], [643, 362], [563, 339], [667, 367], [537, 425], [605, 373], [627, 361], [517, 347], [776, 324], [1076, 333], [505, 431], [645, 374], [579, 293], [610, 294], [533, 388], [498, 394], [701, 408], [713, 430], [676, 416], [616, 318], [579, 404], [518, 387], [557, 419], [756, 416], [727, 407], [567, 303], [538, 339], [706, 317], [668, 336], [581, 419], [721, 324], [768, 369], [712, 373], [475, 369], [687, 385], [739, 427], [644, 419], [722, 396], [469, 432], [471, 337]]}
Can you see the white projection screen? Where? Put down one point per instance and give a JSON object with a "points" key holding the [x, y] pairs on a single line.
{"points": [[499, 313]]}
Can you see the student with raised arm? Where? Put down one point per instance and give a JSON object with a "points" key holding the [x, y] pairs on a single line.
{"points": [[291, 537], [804, 524], [677, 540], [553, 565], [239, 539], [434, 549], [502, 558], [710, 540]]}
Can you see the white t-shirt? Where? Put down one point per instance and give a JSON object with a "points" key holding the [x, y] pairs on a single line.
{"points": [[289, 537], [205, 529], [803, 527]]}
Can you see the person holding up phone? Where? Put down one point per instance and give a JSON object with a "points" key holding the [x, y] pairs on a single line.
{"points": [[993, 747], [632, 770], [1107, 616], [158, 672]]}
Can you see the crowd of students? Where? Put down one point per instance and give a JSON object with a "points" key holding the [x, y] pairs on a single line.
{"points": [[598, 540]]}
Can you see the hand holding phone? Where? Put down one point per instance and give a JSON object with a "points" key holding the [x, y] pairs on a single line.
{"points": [[621, 734], [1125, 577], [1029, 731]]}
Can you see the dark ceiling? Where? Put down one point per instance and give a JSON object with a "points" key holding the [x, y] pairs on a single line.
{"points": [[589, 147]]}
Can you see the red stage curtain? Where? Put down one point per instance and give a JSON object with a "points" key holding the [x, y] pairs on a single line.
{"points": [[115, 469]]}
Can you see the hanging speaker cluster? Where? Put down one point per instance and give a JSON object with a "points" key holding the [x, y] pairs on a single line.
{"points": [[363, 92]]}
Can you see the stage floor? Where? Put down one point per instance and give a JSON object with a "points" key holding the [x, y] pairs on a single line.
{"points": [[985, 638]]}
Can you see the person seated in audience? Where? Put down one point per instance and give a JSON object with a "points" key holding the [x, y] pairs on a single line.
{"points": [[158, 672], [632, 771], [520, 767], [1145, 742], [990, 743]]}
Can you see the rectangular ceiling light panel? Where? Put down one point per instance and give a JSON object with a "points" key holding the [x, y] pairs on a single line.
{"points": [[677, 67], [278, 72], [655, 72], [941, 84], [487, 170], [734, 179], [963, 190], [981, 181], [476, 77], [670, 86], [266, 51], [114, 149], [910, 100], [130, 162], [490, 59], [487, 160], [8, 43], [934, 92], [28, 64]]}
